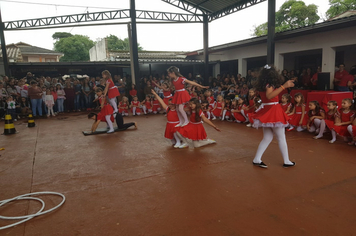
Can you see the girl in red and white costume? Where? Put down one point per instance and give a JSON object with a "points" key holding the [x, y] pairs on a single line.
{"points": [[251, 108], [210, 98], [342, 120], [352, 130], [110, 90], [124, 106], [135, 106], [106, 111], [237, 112], [195, 130], [181, 96], [316, 114], [330, 117], [299, 117], [217, 111], [166, 91], [172, 121], [286, 103], [147, 105], [270, 115], [156, 107], [227, 110]]}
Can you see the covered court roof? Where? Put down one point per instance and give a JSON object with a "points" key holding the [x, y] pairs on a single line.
{"points": [[213, 8]]}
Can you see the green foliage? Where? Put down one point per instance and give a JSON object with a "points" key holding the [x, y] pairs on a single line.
{"points": [[60, 35], [291, 15], [116, 44], [75, 47], [340, 6]]}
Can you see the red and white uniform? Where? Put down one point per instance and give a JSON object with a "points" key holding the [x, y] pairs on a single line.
{"points": [[218, 110], [133, 92], [155, 106], [136, 104], [172, 121], [228, 110], [211, 102], [195, 129], [295, 119], [251, 106], [345, 117], [205, 112], [148, 104], [106, 110], [167, 95], [112, 90], [313, 113], [181, 96], [238, 116], [123, 108], [270, 113], [330, 119], [286, 106]]}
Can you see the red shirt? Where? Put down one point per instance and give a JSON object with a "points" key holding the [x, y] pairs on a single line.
{"points": [[133, 92], [345, 79], [339, 75]]}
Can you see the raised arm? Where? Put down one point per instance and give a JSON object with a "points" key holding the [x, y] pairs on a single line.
{"points": [[164, 106], [206, 120], [196, 84], [271, 93]]}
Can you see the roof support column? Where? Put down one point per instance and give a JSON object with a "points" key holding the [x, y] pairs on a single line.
{"points": [[271, 31], [134, 48], [242, 67], [206, 48], [3, 47], [328, 63]]}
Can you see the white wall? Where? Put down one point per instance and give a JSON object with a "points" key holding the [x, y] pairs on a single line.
{"points": [[99, 52]]}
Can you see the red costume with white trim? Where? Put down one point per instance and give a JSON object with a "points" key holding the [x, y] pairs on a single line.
{"points": [[211, 102], [106, 110], [285, 106], [345, 117], [218, 109], [181, 96], [237, 115], [172, 121], [295, 119], [135, 104], [167, 95], [112, 90], [123, 108], [156, 106], [195, 129], [148, 104]]}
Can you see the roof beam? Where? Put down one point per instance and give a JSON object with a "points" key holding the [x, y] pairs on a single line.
{"points": [[189, 7], [101, 16], [233, 8]]}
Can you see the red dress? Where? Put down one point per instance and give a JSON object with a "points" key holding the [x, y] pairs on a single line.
{"points": [[238, 116], [167, 95], [270, 113], [135, 104], [251, 106], [342, 130], [285, 106], [195, 129], [211, 102], [133, 92], [218, 109], [125, 108], [112, 90], [106, 110], [228, 110], [181, 96], [313, 113], [155, 106], [172, 121], [148, 104], [330, 119], [295, 119]]}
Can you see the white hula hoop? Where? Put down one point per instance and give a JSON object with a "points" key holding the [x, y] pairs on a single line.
{"points": [[29, 217]]}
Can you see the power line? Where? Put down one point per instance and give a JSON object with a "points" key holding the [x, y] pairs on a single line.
{"points": [[58, 5]]}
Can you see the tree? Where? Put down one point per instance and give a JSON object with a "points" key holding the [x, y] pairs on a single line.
{"points": [[116, 44], [340, 6], [59, 35], [291, 15], [75, 47]]}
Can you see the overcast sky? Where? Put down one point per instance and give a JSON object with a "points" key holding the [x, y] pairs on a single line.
{"points": [[153, 37]]}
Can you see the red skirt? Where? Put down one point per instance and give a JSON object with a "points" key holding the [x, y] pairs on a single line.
{"points": [[340, 130], [228, 113], [102, 118], [156, 108], [113, 93], [171, 129], [239, 117], [269, 116], [123, 111], [181, 97], [106, 110], [295, 119], [138, 110], [217, 112], [194, 131]]}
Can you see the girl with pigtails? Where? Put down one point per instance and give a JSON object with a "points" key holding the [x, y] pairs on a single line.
{"points": [[181, 96], [271, 116], [110, 90]]}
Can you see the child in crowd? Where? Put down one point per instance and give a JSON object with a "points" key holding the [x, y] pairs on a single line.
{"points": [[210, 99], [342, 120], [195, 130], [25, 106], [166, 91], [298, 115], [352, 131], [124, 106], [238, 111], [244, 90], [44, 93], [106, 111], [271, 116], [251, 108], [111, 90], [11, 107], [172, 121], [147, 105], [55, 97], [316, 114], [205, 109], [286, 103], [61, 96], [135, 106], [156, 108], [133, 91], [181, 96], [329, 120], [49, 101], [217, 111], [227, 110]]}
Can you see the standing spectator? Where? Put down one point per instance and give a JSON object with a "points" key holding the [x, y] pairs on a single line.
{"points": [[314, 79], [307, 78], [78, 92], [70, 96], [3, 92], [35, 94], [87, 94], [60, 98], [340, 79]]}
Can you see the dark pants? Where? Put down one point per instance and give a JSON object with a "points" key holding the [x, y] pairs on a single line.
{"points": [[120, 122]]}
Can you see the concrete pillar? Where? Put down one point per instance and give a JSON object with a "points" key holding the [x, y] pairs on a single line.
{"points": [[216, 69], [279, 62], [242, 67], [328, 63]]}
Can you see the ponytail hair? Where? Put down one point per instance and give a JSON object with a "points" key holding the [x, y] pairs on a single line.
{"points": [[317, 108], [197, 108], [175, 70], [334, 103]]}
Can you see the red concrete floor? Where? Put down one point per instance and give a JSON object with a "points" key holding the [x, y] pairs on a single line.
{"points": [[135, 183]]}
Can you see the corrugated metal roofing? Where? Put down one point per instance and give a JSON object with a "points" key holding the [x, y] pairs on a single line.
{"points": [[151, 55]]}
